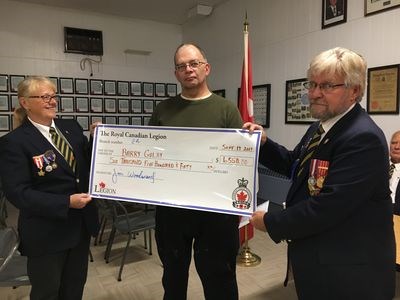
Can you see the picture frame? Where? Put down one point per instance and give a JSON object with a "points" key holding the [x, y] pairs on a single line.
{"points": [[297, 105], [148, 106], [84, 122], [261, 104], [110, 120], [136, 88], [146, 120], [4, 102], [54, 80], [67, 104], [3, 83], [110, 105], [96, 105], [160, 90], [333, 14], [374, 7], [81, 86], [82, 104], [124, 120], [123, 106], [156, 102], [14, 81], [66, 85], [383, 90], [220, 93], [136, 106], [96, 87], [137, 120], [4, 123], [123, 88], [171, 89], [110, 87], [148, 89], [96, 119], [15, 102]]}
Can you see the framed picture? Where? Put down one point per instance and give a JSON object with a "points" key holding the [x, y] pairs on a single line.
{"points": [[14, 81], [82, 104], [124, 120], [110, 119], [96, 105], [148, 106], [123, 88], [4, 123], [14, 102], [96, 87], [171, 89], [148, 89], [377, 6], [297, 105], [160, 90], [3, 83], [4, 103], [110, 87], [123, 106], [136, 88], [54, 80], [96, 119], [136, 120], [334, 12], [136, 106], [67, 104], [146, 120], [220, 93], [156, 103], [83, 121], [81, 86], [383, 90], [262, 104], [110, 105], [66, 86]]}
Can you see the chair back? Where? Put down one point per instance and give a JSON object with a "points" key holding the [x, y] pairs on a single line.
{"points": [[9, 242]]}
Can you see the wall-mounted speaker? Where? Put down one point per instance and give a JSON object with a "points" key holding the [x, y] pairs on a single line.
{"points": [[83, 41]]}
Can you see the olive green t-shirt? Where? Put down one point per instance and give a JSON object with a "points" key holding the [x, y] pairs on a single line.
{"points": [[211, 112]]}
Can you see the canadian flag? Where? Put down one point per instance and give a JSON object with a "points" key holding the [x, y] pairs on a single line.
{"points": [[246, 110]]}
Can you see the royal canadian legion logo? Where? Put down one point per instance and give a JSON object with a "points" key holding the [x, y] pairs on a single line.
{"points": [[101, 188], [241, 196]]}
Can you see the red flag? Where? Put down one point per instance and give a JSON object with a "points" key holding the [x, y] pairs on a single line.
{"points": [[246, 110]]}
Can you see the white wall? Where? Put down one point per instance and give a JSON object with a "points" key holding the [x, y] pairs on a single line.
{"points": [[32, 42], [284, 36]]}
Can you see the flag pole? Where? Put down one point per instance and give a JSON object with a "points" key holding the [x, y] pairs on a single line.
{"points": [[245, 257]]}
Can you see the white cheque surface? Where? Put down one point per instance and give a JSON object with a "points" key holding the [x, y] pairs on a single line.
{"points": [[195, 168]]}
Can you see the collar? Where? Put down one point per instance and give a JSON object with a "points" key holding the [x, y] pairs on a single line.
{"points": [[200, 98], [328, 124], [45, 130]]}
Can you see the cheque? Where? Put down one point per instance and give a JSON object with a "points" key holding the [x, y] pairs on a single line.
{"points": [[194, 168]]}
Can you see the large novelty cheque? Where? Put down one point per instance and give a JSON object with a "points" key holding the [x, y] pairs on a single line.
{"points": [[194, 168]]}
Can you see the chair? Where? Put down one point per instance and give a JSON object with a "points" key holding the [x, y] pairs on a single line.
{"points": [[13, 270], [106, 214], [129, 224]]}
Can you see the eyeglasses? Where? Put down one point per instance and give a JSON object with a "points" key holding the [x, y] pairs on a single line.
{"points": [[47, 98], [194, 64], [325, 87]]}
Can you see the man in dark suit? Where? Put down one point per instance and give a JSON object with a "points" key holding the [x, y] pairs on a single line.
{"points": [[333, 9], [338, 216], [46, 177], [394, 171]]}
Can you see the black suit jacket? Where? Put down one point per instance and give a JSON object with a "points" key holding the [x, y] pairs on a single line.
{"points": [[329, 12], [46, 223], [341, 241], [396, 207]]}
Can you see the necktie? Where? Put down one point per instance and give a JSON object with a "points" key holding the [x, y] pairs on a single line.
{"points": [[63, 147], [311, 148], [391, 170]]}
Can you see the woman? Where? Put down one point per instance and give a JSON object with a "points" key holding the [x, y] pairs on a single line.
{"points": [[56, 215]]}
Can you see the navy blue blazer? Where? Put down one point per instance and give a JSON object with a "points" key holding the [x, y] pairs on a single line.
{"points": [[46, 224], [396, 206], [341, 241]]}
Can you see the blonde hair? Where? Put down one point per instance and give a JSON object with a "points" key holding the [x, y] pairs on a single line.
{"points": [[30, 84], [19, 116], [341, 62]]}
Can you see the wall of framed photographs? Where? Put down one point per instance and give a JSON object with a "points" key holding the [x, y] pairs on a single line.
{"points": [[92, 100]]}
